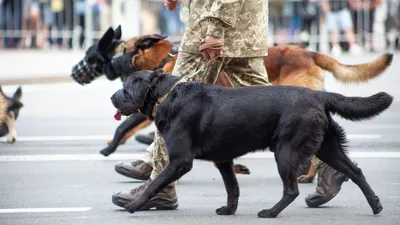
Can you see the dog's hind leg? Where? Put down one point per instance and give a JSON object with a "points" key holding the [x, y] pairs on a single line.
{"points": [[231, 186], [332, 152], [288, 162], [130, 123]]}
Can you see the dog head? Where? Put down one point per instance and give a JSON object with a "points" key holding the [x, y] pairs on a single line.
{"points": [[97, 58], [135, 92], [12, 104], [147, 52], [114, 59], [9, 112]]}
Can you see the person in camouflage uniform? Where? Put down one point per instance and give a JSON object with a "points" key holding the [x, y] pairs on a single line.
{"points": [[231, 33]]}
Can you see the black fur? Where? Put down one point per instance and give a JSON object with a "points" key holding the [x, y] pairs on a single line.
{"points": [[200, 121]]}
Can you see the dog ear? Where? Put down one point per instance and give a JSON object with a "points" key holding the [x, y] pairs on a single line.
{"points": [[138, 89], [118, 33], [18, 93], [106, 39], [149, 40]]}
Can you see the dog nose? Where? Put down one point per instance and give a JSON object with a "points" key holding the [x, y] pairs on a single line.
{"points": [[113, 101]]}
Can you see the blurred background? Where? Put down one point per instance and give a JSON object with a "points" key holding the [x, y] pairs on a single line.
{"points": [[75, 24]]}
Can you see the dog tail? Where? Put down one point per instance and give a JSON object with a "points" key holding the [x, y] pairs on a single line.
{"points": [[357, 108], [353, 73]]}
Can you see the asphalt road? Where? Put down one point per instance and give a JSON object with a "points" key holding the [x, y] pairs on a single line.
{"points": [[55, 175]]}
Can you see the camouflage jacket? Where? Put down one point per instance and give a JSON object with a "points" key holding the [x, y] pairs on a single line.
{"points": [[242, 23]]}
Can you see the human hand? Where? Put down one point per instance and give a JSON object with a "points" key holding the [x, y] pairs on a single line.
{"points": [[211, 47], [170, 4]]}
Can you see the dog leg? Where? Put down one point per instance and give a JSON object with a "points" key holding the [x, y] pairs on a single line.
{"points": [[340, 162], [134, 130], [332, 153], [131, 122], [180, 161], [231, 186], [287, 162], [12, 134]]}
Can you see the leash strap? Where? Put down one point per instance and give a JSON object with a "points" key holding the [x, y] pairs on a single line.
{"points": [[187, 77]]}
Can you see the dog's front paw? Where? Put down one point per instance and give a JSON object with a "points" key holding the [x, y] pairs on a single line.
{"points": [[241, 169], [224, 210], [266, 213], [377, 208], [109, 142], [105, 152], [11, 140]]}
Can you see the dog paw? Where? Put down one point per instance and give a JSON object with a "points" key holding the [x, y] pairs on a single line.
{"points": [[266, 213], [11, 140], [378, 206], [241, 169], [104, 152], [224, 210], [109, 142]]}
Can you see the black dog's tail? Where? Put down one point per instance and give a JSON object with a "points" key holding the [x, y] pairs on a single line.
{"points": [[357, 108]]}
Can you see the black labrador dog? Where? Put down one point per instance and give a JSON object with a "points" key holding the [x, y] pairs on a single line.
{"points": [[200, 121]]}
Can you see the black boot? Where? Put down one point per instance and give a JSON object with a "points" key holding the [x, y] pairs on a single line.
{"points": [[145, 139]]}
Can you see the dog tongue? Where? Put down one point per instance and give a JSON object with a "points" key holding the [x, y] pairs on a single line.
{"points": [[117, 115]]}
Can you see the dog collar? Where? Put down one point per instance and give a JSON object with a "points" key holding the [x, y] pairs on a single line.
{"points": [[162, 98]]}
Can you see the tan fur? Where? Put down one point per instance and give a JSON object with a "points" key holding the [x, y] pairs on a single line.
{"points": [[3, 108], [354, 73], [143, 125]]}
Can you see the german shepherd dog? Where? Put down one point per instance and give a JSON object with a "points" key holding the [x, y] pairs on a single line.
{"points": [[294, 122], [9, 111], [286, 65]]}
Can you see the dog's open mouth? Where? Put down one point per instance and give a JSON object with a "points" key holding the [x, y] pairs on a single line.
{"points": [[118, 115]]}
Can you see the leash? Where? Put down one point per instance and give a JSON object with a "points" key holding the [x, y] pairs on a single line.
{"points": [[200, 69]]}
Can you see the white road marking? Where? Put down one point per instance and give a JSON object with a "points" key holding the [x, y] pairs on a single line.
{"points": [[100, 84], [130, 156], [108, 137], [44, 210]]}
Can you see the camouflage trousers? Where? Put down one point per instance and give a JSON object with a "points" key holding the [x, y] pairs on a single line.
{"points": [[240, 72]]}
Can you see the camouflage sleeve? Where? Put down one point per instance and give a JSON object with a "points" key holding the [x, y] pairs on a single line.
{"points": [[223, 13]]}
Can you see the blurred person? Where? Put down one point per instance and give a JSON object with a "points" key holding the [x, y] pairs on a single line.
{"points": [[363, 15], [11, 22], [338, 18], [310, 13], [46, 22], [170, 21], [80, 12], [231, 33], [392, 25], [105, 16], [31, 18], [275, 8], [57, 10]]}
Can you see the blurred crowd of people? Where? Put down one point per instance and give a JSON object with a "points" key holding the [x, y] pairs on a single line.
{"points": [[350, 23]]}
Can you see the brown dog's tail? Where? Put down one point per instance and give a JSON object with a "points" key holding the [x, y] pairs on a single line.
{"points": [[357, 108], [353, 73]]}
